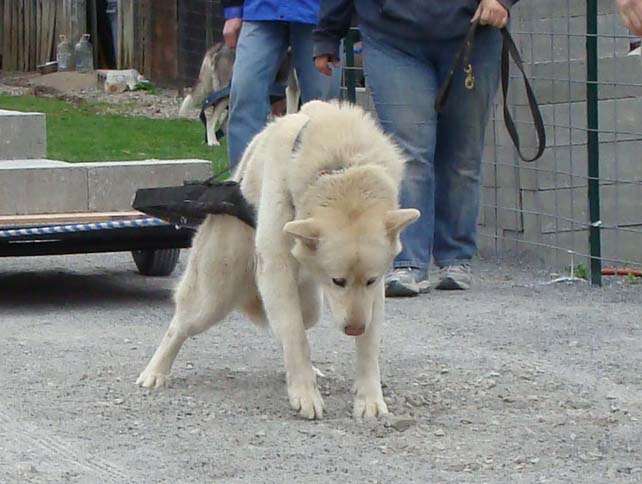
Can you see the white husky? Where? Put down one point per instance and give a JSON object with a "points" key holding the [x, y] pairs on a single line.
{"points": [[325, 185]]}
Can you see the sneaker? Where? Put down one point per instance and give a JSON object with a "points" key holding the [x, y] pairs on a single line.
{"points": [[406, 282], [456, 276]]}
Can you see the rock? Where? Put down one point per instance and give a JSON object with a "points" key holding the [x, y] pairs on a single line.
{"points": [[23, 468], [399, 424], [415, 400]]}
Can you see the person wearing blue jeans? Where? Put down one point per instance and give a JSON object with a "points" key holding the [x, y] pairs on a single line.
{"points": [[261, 31], [408, 48]]}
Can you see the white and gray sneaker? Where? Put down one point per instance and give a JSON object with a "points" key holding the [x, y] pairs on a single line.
{"points": [[406, 282], [455, 276]]}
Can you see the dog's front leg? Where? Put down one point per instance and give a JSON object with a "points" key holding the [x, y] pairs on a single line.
{"points": [[369, 400], [276, 279]]}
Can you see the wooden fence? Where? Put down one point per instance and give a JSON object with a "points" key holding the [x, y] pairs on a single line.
{"points": [[164, 39]]}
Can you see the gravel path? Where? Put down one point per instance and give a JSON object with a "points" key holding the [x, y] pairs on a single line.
{"points": [[514, 381]]}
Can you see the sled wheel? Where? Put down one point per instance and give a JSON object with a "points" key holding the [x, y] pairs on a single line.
{"points": [[156, 262]]}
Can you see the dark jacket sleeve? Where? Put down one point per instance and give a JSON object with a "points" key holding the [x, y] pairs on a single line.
{"points": [[232, 8], [508, 3], [334, 22]]}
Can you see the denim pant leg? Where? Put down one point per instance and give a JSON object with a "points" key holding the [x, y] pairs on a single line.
{"points": [[260, 48], [403, 88], [313, 84], [460, 143]]}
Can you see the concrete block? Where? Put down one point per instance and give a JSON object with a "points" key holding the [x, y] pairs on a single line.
{"points": [[622, 245], [531, 218], [562, 167], [567, 166], [562, 38], [42, 188], [112, 185], [509, 206], [551, 9], [22, 135], [555, 253], [563, 209], [621, 161]]}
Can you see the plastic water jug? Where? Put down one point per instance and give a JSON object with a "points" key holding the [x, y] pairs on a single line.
{"points": [[65, 55], [84, 54]]}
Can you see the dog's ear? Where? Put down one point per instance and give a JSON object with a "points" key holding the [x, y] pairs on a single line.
{"points": [[396, 220], [307, 231]]}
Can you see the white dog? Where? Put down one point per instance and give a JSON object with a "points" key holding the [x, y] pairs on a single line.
{"points": [[325, 185], [216, 73]]}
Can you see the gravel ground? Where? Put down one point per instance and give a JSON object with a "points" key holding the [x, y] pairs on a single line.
{"points": [[514, 381], [81, 87]]}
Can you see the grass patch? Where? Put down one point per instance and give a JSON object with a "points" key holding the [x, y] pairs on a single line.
{"points": [[85, 132]]}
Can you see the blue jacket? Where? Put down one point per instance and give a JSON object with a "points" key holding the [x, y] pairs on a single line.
{"points": [[409, 19], [303, 11]]}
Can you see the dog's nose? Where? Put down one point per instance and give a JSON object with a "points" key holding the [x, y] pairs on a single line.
{"points": [[354, 329]]}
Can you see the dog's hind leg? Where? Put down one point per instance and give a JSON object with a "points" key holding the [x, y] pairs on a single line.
{"points": [[214, 120], [218, 271], [292, 93]]}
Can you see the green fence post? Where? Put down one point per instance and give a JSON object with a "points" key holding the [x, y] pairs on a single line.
{"points": [[593, 142], [351, 83]]}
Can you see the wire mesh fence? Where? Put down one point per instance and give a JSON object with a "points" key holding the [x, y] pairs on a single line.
{"points": [[581, 203]]}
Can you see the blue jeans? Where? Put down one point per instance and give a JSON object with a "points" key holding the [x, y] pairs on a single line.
{"points": [[260, 49], [445, 150]]}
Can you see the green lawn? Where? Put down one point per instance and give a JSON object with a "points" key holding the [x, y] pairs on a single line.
{"points": [[84, 132]]}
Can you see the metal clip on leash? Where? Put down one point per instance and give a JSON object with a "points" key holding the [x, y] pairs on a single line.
{"points": [[508, 48]]}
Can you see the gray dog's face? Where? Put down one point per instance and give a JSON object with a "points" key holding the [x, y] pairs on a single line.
{"points": [[350, 260]]}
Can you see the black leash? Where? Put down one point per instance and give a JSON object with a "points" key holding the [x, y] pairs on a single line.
{"points": [[508, 49]]}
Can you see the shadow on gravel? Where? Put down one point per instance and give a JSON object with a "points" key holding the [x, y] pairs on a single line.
{"points": [[34, 289]]}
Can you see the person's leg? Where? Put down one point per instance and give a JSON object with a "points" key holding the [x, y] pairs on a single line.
{"points": [[260, 48], [312, 83], [460, 141], [403, 88]]}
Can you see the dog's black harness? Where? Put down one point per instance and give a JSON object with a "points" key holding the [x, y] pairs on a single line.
{"points": [[188, 205], [276, 91], [508, 48]]}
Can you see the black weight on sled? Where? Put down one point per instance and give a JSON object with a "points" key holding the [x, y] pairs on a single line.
{"points": [[188, 205]]}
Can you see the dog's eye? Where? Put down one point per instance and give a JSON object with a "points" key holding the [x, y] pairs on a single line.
{"points": [[370, 282], [339, 282]]}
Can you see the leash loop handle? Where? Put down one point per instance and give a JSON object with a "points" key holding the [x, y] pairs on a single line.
{"points": [[509, 50]]}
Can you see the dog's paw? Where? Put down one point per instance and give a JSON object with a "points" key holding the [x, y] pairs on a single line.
{"points": [[152, 380], [366, 407], [306, 399]]}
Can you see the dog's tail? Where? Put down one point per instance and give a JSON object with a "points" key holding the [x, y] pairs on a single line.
{"points": [[188, 103]]}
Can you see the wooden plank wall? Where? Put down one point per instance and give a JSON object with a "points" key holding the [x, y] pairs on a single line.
{"points": [[126, 39], [200, 26], [164, 42], [30, 30]]}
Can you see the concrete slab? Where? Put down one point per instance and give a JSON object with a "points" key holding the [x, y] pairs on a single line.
{"points": [[22, 135], [47, 186], [112, 185], [36, 190], [35, 163]]}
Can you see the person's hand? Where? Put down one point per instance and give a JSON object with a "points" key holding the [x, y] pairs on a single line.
{"points": [[231, 31], [322, 63], [631, 11], [491, 12]]}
